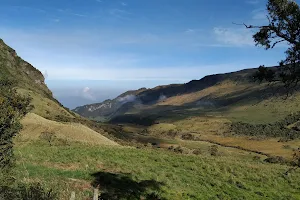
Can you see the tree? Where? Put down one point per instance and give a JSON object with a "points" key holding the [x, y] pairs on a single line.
{"points": [[284, 26], [13, 107]]}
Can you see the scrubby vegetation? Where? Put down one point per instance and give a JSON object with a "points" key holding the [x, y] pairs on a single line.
{"points": [[22, 191], [286, 128], [13, 107], [188, 152]]}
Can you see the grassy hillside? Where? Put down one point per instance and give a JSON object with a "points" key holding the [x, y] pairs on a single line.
{"points": [[30, 81], [227, 109], [129, 173], [211, 92], [36, 128], [188, 152], [233, 95]]}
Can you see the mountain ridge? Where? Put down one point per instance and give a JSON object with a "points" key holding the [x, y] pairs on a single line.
{"points": [[158, 95]]}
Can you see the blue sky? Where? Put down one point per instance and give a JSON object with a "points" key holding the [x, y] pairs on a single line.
{"points": [[92, 45]]}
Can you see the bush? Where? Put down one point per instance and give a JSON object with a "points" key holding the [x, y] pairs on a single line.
{"points": [[286, 146], [277, 129], [13, 108], [214, 150], [48, 136], [197, 151], [26, 192], [276, 159], [172, 133], [296, 157], [256, 158], [188, 136], [180, 150]]}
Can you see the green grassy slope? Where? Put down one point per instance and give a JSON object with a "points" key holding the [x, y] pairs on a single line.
{"points": [[30, 81], [233, 95], [148, 173], [129, 173]]}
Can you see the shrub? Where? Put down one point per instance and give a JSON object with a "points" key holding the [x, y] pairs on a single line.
{"points": [[214, 150], [256, 158], [286, 146], [13, 108], [197, 151], [188, 136], [296, 157], [277, 129], [181, 150], [48, 136], [172, 133], [26, 192], [276, 159]]}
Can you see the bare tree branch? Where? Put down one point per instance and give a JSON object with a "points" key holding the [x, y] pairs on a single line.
{"points": [[277, 43], [249, 26]]}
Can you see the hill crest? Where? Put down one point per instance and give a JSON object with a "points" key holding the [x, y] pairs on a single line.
{"points": [[161, 95]]}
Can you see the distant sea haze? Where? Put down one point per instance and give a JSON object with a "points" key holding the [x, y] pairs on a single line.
{"points": [[74, 93]]}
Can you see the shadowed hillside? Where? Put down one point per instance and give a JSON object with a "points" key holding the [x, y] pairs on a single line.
{"points": [[225, 109], [215, 93]]}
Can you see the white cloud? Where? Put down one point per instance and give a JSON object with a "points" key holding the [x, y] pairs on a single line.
{"points": [[234, 37], [87, 94], [86, 89], [118, 13], [190, 31], [83, 55], [253, 2], [70, 12], [127, 99], [162, 97], [45, 74]]}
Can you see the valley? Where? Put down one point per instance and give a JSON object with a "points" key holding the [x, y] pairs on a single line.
{"points": [[231, 135]]}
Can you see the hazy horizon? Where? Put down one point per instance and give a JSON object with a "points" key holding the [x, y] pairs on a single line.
{"points": [[143, 43], [74, 93]]}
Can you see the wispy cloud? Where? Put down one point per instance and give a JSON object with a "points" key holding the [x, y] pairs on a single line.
{"points": [[88, 94], [235, 37], [17, 8], [70, 12], [55, 20], [119, 13], [189, 31], [253, 2]]}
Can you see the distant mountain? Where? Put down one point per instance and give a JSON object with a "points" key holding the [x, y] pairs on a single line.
{"points": [[209, 92], [109, 108]]}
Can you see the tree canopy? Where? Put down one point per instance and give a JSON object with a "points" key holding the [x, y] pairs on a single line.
{"points": [[283, 27], [12, 108]]}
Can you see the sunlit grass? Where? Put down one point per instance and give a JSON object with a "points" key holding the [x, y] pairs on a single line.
{"points": [[184, 176]]}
